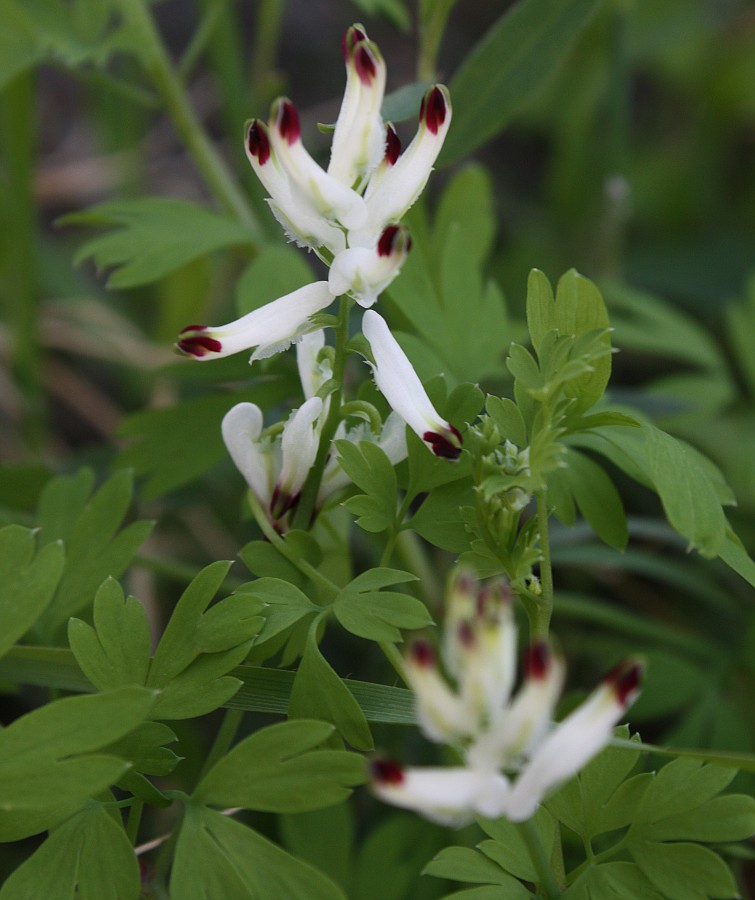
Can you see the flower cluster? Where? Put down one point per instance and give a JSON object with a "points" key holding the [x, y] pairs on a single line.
{"points": [[512, 755], [349, 215]]}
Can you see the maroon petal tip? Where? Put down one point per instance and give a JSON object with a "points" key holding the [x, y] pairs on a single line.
{"points": [[287, 122], [538, 659], [626, 680], [258, 142], [365, 63], [434, 109], [443, 446], [392, 145], [198, 345], [421, 653], [386, 771]]}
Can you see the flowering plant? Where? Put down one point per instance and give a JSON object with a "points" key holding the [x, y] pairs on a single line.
{"points": [[377, 418]]}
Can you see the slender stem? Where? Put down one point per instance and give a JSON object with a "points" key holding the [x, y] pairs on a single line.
{"points": [[308, 499], [223, 739], [394, 658], [268, 29], [546, 881], [544, 608], [175, 100], [432, 25], [134, 820]]}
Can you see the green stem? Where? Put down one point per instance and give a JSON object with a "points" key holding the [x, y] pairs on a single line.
{"points": [[433, 19], [155, 59], [394, 658], [546, 882], [267, 37], [134, 820], [541, 618], [308, 499], [223, 739]]}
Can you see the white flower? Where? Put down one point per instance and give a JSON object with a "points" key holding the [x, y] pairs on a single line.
{"points": [[270, 328], [401, 387], [365, 273], [275, 468], [512, 757]]}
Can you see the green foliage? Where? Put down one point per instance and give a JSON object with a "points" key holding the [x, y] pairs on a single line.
{"points": [[280, 769], [368, 612], [87, 857], [198, 647], [218, 857], [52, 760], [153, 236], [512, 62], [370, 469], [96, 547], [28, 577]]}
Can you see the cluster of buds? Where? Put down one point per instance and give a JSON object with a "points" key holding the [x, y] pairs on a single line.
{"points": [[349, 215], [513, 755]]}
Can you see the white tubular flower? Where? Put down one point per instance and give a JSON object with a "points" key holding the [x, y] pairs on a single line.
{"points": [[270, 328], [364, 272], [299, 443], [314, 370], [391, 194], [492, 731], [274, 468], [359, 135], [447, 796], [316, 191], [301, 226], [399, 384]]}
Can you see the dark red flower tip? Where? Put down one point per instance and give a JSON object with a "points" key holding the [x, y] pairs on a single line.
{"points": [[365, 63], [441, 445], [465, 634], [537, 660], [626, 680], [387, 242], [392, 145], [421, 653], [351, 37], [198, 345], [288, 122], [434, 109], [281, 503], [386, 771], [258, 142]]}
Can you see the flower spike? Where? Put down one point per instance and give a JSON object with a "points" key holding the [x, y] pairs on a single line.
{"points": [[401, 387], [270, 328]]}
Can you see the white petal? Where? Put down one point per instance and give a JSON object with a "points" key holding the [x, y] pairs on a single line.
{"points": [[399, 186], [399, 384], [275, 324], [321, 193], [299, 443], [574, 742], [450, 796], [365, 273], [312, 373], [241, 429], [359, 136], [442, 715]]}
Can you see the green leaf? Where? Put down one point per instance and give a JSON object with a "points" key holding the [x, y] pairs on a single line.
{"points": [[283, 605], [318, 692], [685, 871], [218, 857], [281, 769], [509, 849], [727, 818], [323, 838], [597, 498], [152, 236], [612, 881], [48, 763], [90, 528], [689, 498], [465, 864], [438, 520], [680, 786], [88, 857], [508, 417], [263, 559], [371, 470], [28, 579], [512, 62], [116, 651], [363, 609]]}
